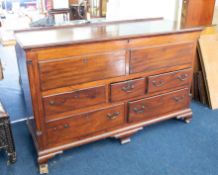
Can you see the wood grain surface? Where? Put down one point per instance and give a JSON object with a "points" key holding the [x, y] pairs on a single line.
{"points": [[95, 33], [89, 83], [149, 108], [208, 48], [198, 12], [169, 80], [161, 57], [76, 70]]}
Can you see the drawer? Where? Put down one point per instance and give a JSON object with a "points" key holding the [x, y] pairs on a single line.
{"points": [[128, 89], [161, 57], [74, 100], [169, 80], [75, 70], [85, 124], [153, 107]]}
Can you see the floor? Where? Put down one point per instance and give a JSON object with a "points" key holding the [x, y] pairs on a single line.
{"points": [[168, 148], [10, 92]]}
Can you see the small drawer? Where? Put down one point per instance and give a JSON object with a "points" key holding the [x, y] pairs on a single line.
{"points": [[156, 106], [169, 80], [74, 100], [128, 89], [85, 124]]}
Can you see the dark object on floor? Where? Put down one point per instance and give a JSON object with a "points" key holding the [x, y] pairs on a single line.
{"points": [[6, 139]]}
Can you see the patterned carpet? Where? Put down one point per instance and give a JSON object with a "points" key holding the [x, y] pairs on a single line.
{"points": [[168, 148]]}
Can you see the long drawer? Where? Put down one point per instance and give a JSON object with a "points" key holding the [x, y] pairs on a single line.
{"points": [[75, 70], [153, 107], [85, 124], [74, 100], [169, 80], [161, 57], [128, 89]]}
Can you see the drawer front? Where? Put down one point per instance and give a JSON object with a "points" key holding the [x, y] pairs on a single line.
{"points": [[128, 89], [169, 80], [156, 106], [71, 71], [161, 57], [85, 124], [74, 100], [80, 49]]}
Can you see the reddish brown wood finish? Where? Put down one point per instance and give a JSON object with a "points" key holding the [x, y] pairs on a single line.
{"points": [[197, 12], [85, 124], [70, 71], [82, 49], [74, 100], [148, 108], [161, 57], [85, 90], [128, 89], [169, 80]]}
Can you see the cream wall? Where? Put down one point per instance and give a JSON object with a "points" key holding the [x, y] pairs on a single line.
{"points": [[132, 9]]}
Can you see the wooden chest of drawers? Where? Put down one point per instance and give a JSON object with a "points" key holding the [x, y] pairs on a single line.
{"points": [[81, 91]]}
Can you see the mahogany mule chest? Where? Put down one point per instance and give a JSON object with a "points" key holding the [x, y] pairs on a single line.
{"points": [[110, 82]]}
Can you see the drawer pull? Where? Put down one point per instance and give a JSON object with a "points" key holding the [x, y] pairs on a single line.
{"points": [[53, 103], [113, 116], [55, 128], [183, 77], [179, 99], [128, 88], [139, 111], [66, 126], [158, 83], [77, 95]]}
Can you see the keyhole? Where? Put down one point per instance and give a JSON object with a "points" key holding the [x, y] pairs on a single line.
{"points": [[85, 60]]}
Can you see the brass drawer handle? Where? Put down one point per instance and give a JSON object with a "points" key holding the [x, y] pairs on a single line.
{"points": [[139, 111], [113, 116], [54, 103], [183, 77], [179, 99], [76, 95], [128, 88], [55, 129], [158, 83], [66, 126]]}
